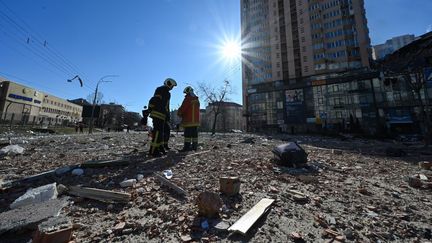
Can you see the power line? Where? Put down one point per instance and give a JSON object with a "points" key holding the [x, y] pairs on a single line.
{"points": [[55, 54], [40, 54]]}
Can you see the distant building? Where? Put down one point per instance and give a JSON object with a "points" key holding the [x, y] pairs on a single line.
{"points": [[230, 117], [28, 105], [390, 46]]}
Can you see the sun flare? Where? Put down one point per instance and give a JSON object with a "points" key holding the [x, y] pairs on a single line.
{"points": [[231, 50]]}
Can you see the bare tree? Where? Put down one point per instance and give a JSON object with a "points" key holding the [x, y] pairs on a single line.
{"points": [[416, 80], [99, 98], [215, 97]]}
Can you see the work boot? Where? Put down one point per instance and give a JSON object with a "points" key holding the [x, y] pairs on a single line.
{"points": [[162, 150], [195, 146], [186, 147]]}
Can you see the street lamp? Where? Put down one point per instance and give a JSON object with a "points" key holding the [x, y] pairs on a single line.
{"points": [[101, 80]]}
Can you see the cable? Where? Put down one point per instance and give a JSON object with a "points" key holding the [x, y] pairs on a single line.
{"points": [[52, 51]]}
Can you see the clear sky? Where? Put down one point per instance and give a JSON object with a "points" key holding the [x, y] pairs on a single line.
{"points": [[145, 41]]}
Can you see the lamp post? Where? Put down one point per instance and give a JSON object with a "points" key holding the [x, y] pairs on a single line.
{"points": [[101, 80]]}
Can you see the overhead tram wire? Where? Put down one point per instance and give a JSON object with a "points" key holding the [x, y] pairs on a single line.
{"points": [[35, 47], [47, 60], [29, 30], [50, 49], [37, 52]]}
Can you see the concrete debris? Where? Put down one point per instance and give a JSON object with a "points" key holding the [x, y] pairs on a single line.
{"points": [[30, 215], [139, 177], [11, 150], [36, 195], [209, 204], [128, 183], [56, 229], [361, 194]]}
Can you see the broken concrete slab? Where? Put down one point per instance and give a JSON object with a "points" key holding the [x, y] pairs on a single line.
{"points": [[30, 215], [229, 185], [36, 195], [56, 229], [248, 220], [12, 150]]}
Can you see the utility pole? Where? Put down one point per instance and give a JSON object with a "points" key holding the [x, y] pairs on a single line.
{"points": [[101, 80]]}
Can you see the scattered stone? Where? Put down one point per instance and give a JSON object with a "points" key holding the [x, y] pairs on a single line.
{"points": [[128, 183], [209, 204], [221, 226], [11, 150], [140, 177], [56, 229], [36, 195]]}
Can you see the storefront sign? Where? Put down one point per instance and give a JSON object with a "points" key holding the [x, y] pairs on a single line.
{"points": [[19, 97]]}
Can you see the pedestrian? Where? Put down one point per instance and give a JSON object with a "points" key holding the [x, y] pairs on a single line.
{"points": [[76, 127], [189, 112], [81, 127], [159, 112]]}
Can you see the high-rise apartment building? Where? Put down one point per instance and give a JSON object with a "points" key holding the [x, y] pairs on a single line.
{"points": [[286, 41], [390, 46]]}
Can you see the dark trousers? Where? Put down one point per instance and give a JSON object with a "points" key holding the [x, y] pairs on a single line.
{"points": [[166, 134], [158, 135], [191, 137]]}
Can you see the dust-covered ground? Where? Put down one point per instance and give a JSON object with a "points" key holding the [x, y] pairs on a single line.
{"points": [[354, 191]]}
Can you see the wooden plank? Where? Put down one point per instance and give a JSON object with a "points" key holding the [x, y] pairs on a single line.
{"points": [[99, 194], [246, 221], [176, 188], [104, 163]]}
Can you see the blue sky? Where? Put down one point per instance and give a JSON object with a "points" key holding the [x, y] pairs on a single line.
{"points": [[145, 41]]}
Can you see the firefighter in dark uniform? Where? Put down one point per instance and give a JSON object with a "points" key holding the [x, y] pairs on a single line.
{"points": [[189, 111], [159, 112]]}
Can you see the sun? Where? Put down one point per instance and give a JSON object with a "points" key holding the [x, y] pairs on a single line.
{"points": [[231, 50]]}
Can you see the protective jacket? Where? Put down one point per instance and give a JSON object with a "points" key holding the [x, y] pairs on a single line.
{"points": [[189, 111], [159, 103]]}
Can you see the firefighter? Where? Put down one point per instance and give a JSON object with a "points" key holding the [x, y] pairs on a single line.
{"points": [[159, 112], [189, 111]]}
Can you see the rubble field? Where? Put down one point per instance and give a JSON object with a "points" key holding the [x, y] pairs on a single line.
{"points": [[350, 191]]}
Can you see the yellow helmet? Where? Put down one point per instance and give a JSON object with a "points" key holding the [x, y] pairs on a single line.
{"points": [[170, 83], [188, 90]]}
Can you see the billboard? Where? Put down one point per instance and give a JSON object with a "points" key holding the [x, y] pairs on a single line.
{"points": [[295, 107]]}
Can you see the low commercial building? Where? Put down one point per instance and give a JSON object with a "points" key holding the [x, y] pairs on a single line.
{"points": [[230, 117], [20, 103]]}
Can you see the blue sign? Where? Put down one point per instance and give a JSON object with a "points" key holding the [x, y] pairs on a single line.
{"points": [[428, 76], [19, 97]]}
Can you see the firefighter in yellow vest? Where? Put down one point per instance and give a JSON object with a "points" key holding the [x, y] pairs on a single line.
{"points": [[159, 112], [189, 111]]}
